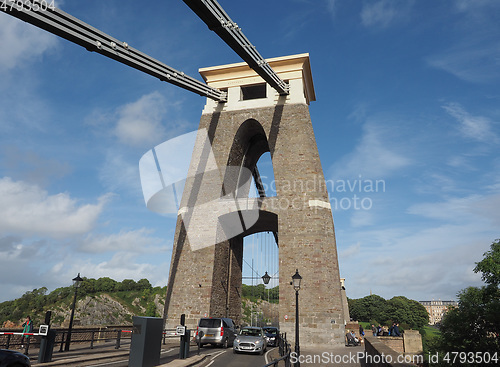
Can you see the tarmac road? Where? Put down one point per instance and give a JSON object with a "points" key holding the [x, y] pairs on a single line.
{"points": [[226, 358]]}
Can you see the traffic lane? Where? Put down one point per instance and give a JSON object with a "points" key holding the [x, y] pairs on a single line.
{"points": [[168, 354], [226, 357]]}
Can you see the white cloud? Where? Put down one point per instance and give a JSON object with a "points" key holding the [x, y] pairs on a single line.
{"points": [[53, 265], [136, 241], [361, 218], [21, 42], [384, 12], [373, 156], [30, 166], [475, 61], [27, 209], [468, 5], [122, 265], [350, 251], [120, 173], [418, 263], [455, 209], [331, 6], [474, 127], [140, 122]]}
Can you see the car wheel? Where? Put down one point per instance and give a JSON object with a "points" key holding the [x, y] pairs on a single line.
{"points": [[225, 344]]}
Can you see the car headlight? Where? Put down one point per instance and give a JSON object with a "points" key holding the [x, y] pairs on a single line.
{"points": [[237, 340], [258, 342]]}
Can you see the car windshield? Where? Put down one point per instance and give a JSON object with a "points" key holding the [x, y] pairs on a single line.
{"points": [[250, 332], [271, 331]]}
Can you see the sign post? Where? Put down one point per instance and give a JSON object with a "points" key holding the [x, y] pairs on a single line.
{"points": [[48, 340]]}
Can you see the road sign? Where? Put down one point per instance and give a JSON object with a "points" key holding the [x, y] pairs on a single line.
{"points": [[43, 330], [180, 330]]}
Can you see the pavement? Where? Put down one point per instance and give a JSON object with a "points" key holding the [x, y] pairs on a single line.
{"points": [[81, 355], [338, 356]]}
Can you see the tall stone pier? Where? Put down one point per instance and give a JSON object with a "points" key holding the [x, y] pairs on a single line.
{"points": [[216, 213]]}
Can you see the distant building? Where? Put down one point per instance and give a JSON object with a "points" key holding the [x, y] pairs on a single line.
{"points": [[437, 309]]}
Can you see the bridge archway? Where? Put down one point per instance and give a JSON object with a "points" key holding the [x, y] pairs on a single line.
{"points": [[205, 281]]}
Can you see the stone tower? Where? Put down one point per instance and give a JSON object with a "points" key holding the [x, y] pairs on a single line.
{"points": [[216, 213]]}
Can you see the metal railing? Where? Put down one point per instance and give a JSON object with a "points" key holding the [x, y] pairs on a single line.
{"points": [[284, 350], [121, 335]]}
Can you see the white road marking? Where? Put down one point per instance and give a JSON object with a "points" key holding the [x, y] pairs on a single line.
{"points": [[266, 355], [108, 363]]}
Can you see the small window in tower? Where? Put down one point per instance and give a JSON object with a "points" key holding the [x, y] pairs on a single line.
{"points": [[253, 91]]}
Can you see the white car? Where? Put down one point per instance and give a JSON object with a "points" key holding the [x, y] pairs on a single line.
{"points": [[250, 339]]}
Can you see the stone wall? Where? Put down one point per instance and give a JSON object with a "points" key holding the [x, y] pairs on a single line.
{"points": [[393, 351], [412, 342], [300, 212], [379, 354]]}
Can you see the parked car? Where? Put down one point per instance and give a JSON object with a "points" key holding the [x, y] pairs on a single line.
{"points": [[250, 339], [216, 331], [272, 335], [11, 358]]}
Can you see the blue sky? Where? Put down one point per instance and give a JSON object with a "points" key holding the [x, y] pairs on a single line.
{"points": [[407, 94]]}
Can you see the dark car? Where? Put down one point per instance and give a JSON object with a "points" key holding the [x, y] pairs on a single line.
{"points": [[272, 335], [11, 358]]}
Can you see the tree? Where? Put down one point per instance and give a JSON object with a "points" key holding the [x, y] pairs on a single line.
{"points": [[407, 311], [127, 285], [88, 286], [105, 285], [474, 326], [151, 310], [144, 284], [369, 309], [490, 265], [375, 309]]}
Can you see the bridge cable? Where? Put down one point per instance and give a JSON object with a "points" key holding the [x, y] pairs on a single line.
{"points": [[218, 21], [74, 30]]}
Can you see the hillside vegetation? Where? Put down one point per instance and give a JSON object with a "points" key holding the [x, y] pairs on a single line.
{"points": [[105, 301], [100, 301]]}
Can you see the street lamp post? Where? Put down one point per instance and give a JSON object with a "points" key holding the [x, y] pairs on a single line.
{"points": [[77, 281], [296, 278], [266, 278]]}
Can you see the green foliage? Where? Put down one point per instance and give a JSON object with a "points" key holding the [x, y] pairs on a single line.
{"points": [[407, 311], [474, 326], [151, 310], [371, 308], [490, 265], [144, 284], [106, 285], [260, 292], [376, 310], [36, 302]]}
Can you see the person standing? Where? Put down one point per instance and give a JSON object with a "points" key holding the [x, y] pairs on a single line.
{"points": [[395, 330], [27, 328], [374, 330]]}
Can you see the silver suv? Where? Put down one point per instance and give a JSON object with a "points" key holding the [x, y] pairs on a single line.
{"points": [[216, 331]]}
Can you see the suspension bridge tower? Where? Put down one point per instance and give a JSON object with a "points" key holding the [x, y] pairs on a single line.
{"points": [[216, 213]]}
